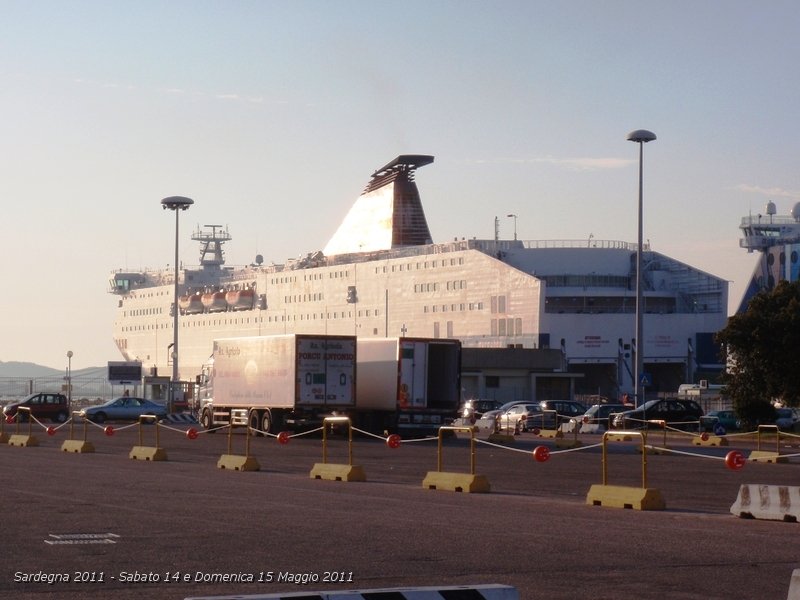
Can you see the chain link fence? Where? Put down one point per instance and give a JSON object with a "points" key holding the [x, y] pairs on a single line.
{"points": [[85, 390]]}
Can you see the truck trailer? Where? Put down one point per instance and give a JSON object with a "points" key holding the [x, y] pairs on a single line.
{"points": [[407, 385], [270, 382]]}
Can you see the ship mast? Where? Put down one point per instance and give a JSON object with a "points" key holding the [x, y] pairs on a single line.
{"points": [[211, 254]]}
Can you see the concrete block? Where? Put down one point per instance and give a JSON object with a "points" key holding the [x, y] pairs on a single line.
{"points": [[21, 440], [334, 472], [147, 453], [456, 482], [618, 496], [767, 457], [770, 502], [77, 446], [236, 462]]}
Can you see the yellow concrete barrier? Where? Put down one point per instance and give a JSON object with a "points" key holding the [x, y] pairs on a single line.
{"points": [[759, 455], [238, 462], [456, 482], [333, 471], [21, 439], [638, 498], [150, 453], [73, 445]]}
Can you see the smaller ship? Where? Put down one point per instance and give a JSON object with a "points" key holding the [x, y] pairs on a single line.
{"points": [[777, 238]]}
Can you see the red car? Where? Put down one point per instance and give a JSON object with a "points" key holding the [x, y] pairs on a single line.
{"points": [[42, 406]]}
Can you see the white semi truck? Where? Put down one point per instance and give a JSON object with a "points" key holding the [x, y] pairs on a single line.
{"points": [[407, 385], [270, 382]]}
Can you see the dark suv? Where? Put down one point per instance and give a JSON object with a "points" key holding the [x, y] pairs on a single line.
{"points": [[674, 411], [42, 406]]}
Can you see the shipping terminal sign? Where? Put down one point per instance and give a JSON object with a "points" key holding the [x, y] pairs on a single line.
{"points": [[593, 341]]}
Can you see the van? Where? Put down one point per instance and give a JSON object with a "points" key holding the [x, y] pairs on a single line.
{"points": [[42, 406]]}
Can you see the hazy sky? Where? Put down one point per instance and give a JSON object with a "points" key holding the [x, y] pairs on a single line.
{"points": [[272, 115]]}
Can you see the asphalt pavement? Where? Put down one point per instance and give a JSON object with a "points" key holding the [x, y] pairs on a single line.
{"points": [[102, 525]]}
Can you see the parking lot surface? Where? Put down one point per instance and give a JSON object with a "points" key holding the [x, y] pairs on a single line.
{"points": [[101, 525]]}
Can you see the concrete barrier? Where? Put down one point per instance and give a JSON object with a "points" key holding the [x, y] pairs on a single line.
{"points": [[471, 592], [794, 586], [771, 502]]}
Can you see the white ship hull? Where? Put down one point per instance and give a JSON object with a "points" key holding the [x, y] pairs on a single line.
{"points": [[576, 296]]}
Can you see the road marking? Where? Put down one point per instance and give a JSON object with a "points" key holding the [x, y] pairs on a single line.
{"points": [[81, 538]]}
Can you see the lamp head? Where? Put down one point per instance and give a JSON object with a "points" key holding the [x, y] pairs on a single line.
{"points": [[176, 203], [641, 135]]}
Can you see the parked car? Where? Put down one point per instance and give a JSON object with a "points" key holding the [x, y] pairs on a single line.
{"points": [[726, 419], [787, 419], [125, 408], [595, 419], [54, 407], [565, 412], [518, 417], [474, 409], [674, 411]]}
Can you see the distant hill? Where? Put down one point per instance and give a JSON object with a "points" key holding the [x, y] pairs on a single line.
{"points": [[32, 370]]}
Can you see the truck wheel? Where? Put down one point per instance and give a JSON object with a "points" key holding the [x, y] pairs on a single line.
{"points": [[206, 421], [61, 417], [266, 422], [255, 423]]}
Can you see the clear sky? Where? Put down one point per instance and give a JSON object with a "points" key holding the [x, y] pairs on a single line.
{"points": [[272, 115]]}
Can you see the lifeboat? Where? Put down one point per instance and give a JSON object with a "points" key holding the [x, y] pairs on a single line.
{"points": [[240, 299], [214, 301], [190, 305]]}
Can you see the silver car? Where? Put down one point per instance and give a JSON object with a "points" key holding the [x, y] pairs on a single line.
{"points": [[518, 417]]}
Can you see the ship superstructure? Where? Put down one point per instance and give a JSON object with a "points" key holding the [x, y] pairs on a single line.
{"points": [[382, 276], [777, 239]]}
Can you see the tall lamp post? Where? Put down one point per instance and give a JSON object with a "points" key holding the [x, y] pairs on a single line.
{"points": [[641, 137], [515, 225], [176, 203], [69, 379]]}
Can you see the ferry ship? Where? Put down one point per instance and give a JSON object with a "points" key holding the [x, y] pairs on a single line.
{"points": [[777, 238], [381, 275]]}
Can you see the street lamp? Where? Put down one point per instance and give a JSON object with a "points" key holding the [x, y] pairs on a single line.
{"points": [[69, 378], [515, 225], [176, 203], [641, 137]]}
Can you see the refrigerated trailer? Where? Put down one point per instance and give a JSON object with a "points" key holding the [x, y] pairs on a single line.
{"points": [[407, 385], [270, 382]]}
